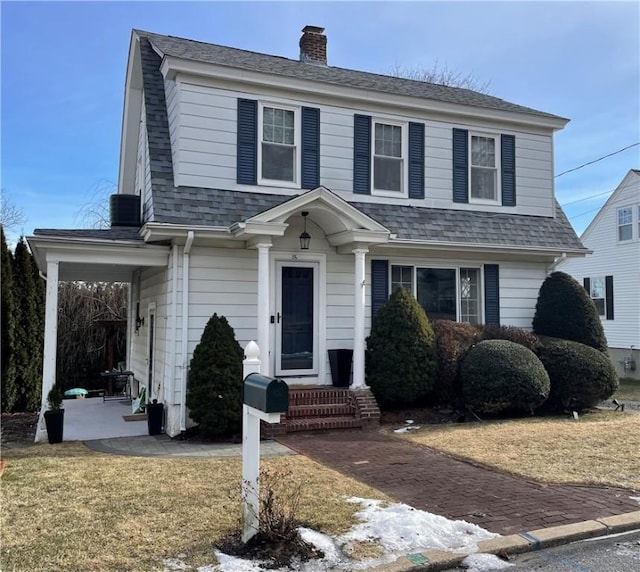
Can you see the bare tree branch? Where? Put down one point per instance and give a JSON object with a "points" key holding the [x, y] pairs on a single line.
{"points": [[95, 212], [441, 75], [11, 216]]}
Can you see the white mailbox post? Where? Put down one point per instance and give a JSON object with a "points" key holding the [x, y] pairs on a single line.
{"points": [[251, 417]]}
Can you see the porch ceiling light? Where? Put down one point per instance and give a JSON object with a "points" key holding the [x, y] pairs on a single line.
{"points": [[305, 237]]}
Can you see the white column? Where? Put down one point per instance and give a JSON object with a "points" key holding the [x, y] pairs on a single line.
{"points": [[50, 344], [263, 305], [359, 305]]}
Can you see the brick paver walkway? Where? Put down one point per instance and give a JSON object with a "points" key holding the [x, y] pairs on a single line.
{"points": [[440, 484]]}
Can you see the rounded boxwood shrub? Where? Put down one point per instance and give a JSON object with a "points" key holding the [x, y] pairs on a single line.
{"points": [[453, 340], [501, 376], [400, 355], [565, 310], [580, 375], [214, 388]]}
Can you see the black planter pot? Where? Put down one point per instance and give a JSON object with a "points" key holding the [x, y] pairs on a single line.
{"points": [[340, 363], [54, 421], [154, 417]]}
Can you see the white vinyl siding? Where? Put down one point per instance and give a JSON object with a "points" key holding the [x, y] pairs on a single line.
{"points": [[205, 145], [614, 258]]}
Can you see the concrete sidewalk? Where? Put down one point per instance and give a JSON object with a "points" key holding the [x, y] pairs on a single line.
{"points": [[163, 446]]}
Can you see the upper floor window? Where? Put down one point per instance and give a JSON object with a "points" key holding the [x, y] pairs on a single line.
{"points": [[597, 293], [484, 167], [279, 144], [387, 158], [625, 224]]}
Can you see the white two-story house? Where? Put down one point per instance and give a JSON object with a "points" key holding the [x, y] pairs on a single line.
{"points": [[611, 275], [292, 197]]}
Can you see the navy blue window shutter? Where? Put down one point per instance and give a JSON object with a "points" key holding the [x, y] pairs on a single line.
{"points": [[608, 297], [247, 164], [508, 153], [379, 285], [460, 166], [416, 160], [587, 285], [491, 294], [310, 147], [362, 154]]}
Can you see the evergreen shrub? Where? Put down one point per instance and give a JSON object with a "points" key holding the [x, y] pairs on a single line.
{"points": [[565, 310], [580, 375], [499, 376], [400, 354], [453, 340], [9, 395], [214, 388]]}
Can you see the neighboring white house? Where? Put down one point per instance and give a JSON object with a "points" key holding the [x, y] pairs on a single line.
{"points": [[234, 155], [611, 275]]}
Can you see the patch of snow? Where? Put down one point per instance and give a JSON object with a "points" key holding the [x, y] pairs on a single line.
{"points": [[484, 563], [395, 528], [409, 421], [405, 429], [637, 499], [400, 528], [174, 564]]}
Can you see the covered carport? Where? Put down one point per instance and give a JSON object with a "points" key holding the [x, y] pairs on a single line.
{"points": [[109, 255]]}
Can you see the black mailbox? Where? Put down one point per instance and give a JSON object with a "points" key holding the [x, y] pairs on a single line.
{"points": [[266, 393]]}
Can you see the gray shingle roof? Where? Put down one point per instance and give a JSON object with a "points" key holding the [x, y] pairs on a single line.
{"points": [[252, 61], [114, 233]]}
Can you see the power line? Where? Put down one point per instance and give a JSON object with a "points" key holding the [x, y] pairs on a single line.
{"points": [[599, 159], [627, 186]]}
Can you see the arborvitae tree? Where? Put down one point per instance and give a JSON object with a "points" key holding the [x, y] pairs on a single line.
{"points": [[214, 389], [565, 310], [400, 355], [7, 382], [28, 337]]}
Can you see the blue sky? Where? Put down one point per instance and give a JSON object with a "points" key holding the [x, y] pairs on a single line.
{"points": [[64, 63]]}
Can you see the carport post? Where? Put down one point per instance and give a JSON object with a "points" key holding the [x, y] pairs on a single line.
{"points": [[50, 343]]}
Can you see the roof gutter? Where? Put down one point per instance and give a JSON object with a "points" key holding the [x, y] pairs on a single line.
{"points": [[185, 326], [556, 262]]}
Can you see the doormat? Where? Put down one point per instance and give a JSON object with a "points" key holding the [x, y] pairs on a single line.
{"points": [[135, 417]]}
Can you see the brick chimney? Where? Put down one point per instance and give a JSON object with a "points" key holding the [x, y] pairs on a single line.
{"points": [[313, 45]]}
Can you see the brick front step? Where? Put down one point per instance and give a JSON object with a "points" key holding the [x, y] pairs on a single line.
{"points": [[318, 396], [316, 423], [321, 410]]}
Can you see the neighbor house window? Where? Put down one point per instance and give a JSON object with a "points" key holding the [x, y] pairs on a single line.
{"points": [[388, 170], [598, 289], [625, 224], [402, 277], [484, 167], [444, 293], [278, 146]]}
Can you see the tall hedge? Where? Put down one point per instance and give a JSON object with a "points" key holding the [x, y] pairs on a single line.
{"points": [[400, 355], [581, 376], [214, 388], [7, 382], [28, 338], [565, 310]]}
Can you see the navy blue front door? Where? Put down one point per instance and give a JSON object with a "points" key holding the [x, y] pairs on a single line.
{"points": [[297, 318]]}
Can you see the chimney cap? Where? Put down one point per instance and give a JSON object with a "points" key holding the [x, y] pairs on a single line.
{"points": [[313, 30]]}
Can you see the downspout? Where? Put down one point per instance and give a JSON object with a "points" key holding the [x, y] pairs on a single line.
{"points": [[185, 327], [555, 263]]}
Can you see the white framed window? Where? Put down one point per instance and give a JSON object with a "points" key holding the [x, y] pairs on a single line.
{"points": [[389, 146], [625, 224], [444, 293], [279, 145], [402, 277], [598, 291], [484, 160]]}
